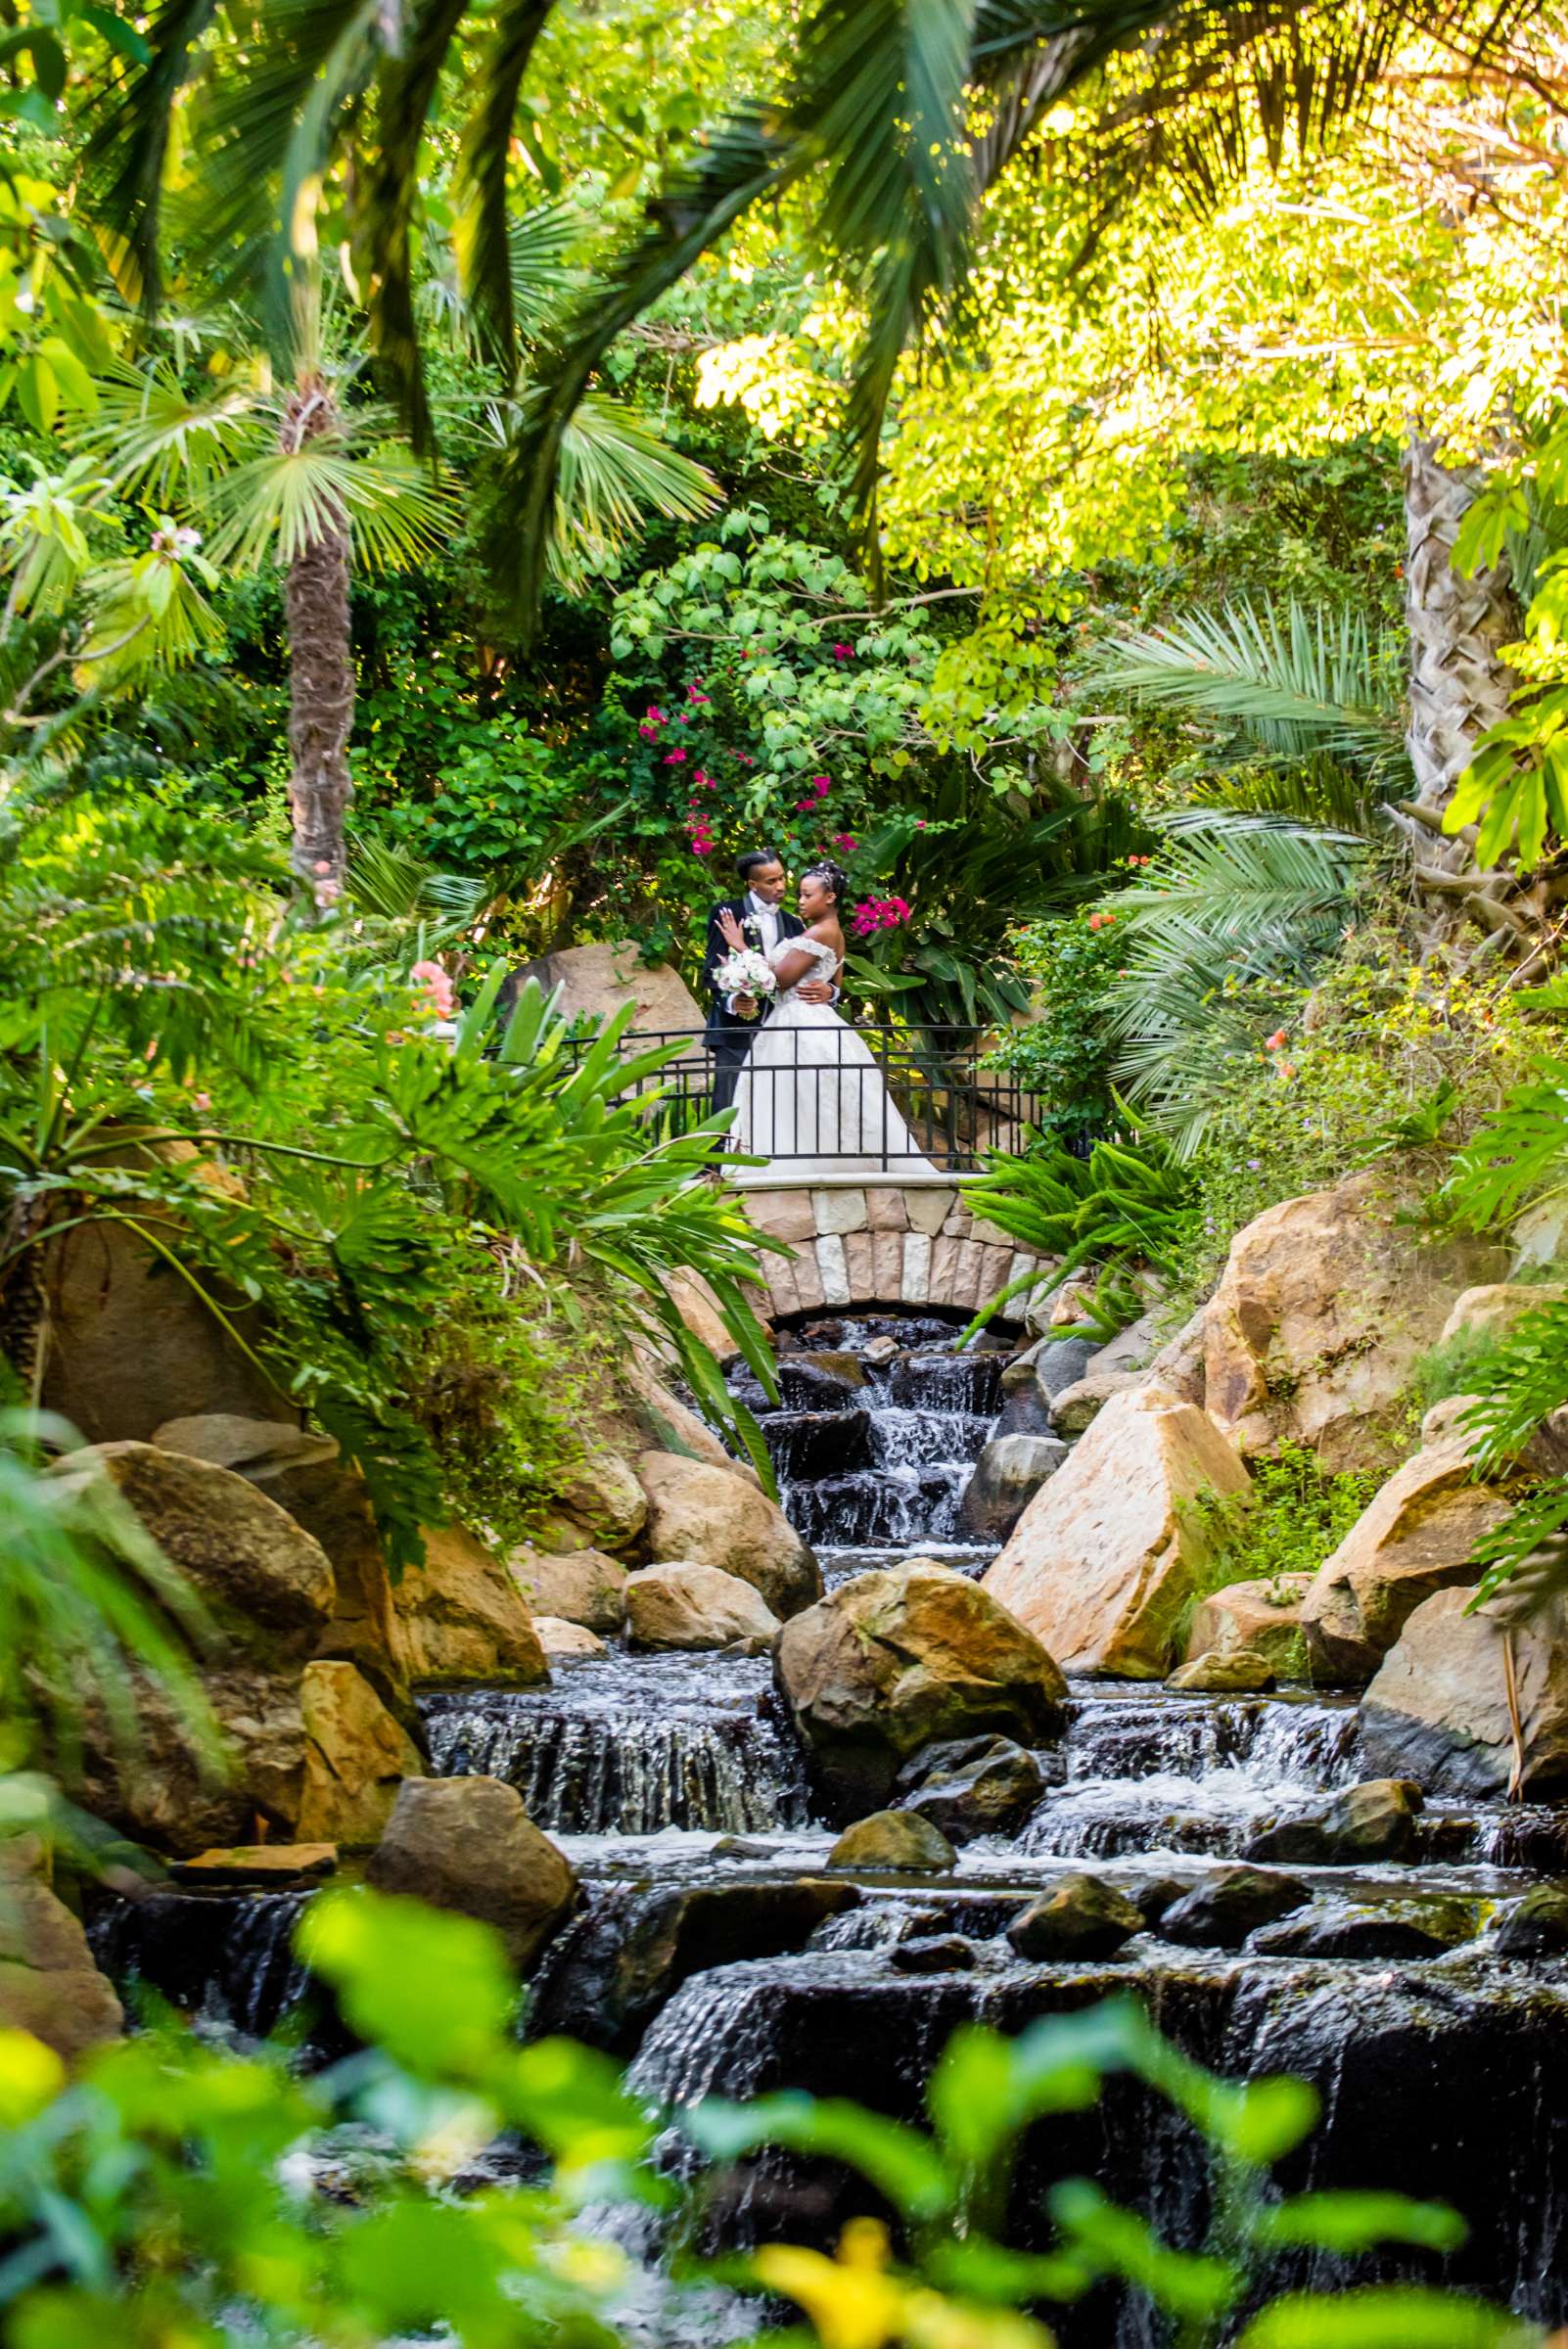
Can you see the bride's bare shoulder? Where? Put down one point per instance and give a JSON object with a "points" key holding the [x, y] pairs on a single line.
{"points": [[827, 933]]}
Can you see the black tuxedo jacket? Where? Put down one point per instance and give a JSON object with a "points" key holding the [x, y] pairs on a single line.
{"points": [[721, 1023]]}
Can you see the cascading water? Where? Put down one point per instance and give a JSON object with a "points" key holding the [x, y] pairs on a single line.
{"points": [[630, 1745]]}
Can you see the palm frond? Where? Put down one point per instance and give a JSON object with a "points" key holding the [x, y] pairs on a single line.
{"points": [[405, 93], [395, 886], [273, 507], [615, 470], [129, 145], [155, 441], [1296, 682], [492, 245]]}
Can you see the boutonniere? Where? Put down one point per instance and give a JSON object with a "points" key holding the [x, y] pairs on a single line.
{"points": [[751, 925]]}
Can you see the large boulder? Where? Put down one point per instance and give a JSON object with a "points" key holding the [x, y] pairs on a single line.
{"points": [[1491, 1311], [1007, 1475], [1078, 1406], [578, 1585], [901, 1658], [1323, 1306], [49, 1985], [467, 1843], [464, 1617], [1226, 1671], [357, 1757], [1110, 1553], [716, 1517], [685, 1605], [898, 1841], [1079, 1917], [598, 982], [269, 1591], [1263, 1616], [1438, 1711], [267, 1583], [1417, 1534], [971, 1786], [1223, 1909]]}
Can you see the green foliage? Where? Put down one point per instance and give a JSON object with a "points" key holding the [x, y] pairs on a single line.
{"points": [[1124, 1209], [1464, 1365], [1063, 1056], [1297, 1514], [153, 2199]]}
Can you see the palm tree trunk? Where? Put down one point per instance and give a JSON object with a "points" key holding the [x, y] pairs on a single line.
{"points": [[321, 674], [1459, 686]]}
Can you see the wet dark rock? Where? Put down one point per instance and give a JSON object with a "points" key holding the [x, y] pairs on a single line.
{"points": [[808, 1444], [1152, 1896], [1222, 1910], [821, 1382], [816, 1335], [1350, 1933], [1060, 1363], [893, 1839], [1082, 1916], [617, 1966], [1373, 1822], [1538, 1926], [946, 1381], [940, 1953], [740, 1846], [1008, 1474], [971, 1786], [1024, 1413]]}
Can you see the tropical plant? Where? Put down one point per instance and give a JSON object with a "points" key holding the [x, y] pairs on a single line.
{"points": [[155, 2192], [1123, 1210], [1238, 909]]}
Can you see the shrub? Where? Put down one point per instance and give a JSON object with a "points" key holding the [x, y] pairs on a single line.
{"points": [[1296, 1515]]}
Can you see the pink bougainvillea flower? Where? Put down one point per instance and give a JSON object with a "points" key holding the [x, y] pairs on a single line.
{"points": [[846, 842], [435, 986], [674, 758], [653, 715], [649, 733], [844, 651], [745, 758], [692, 694], [821, 785]]}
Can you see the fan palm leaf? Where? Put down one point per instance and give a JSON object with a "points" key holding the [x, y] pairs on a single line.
{"points": [[1295, 683], [615, 470]]}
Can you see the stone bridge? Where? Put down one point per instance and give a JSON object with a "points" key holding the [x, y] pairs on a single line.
{"points": [[903, 1241]]}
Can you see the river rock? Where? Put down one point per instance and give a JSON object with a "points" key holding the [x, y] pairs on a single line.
{"points": [[561, 1639], [1323, 1306], [899, 1840], [625, 1960], [1364, 1825], [900, 1659], [1438, 1710], [1108, 1555], [1536, 1926], [605, 1500], [973, 1787], [580, 1586], [719, 1519], [1263, 1615], [1226, 1671], [268, 1584], [1152, 1896], [49, 1985], [355, 1758], [1078, 1406], [821, 1382], [1350, 1933], [1222, 1910], [467, 1843], [686, 1605], [464, 1616], [1417, 1534], [934, 1954], [1081, 1916], [1491, 1311], [1007, 1475]]}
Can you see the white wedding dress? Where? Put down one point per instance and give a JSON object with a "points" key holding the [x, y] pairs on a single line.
{"points": [[811, 1096]]}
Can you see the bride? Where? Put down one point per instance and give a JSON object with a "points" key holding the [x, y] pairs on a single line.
{"points": [[810, 1093]]}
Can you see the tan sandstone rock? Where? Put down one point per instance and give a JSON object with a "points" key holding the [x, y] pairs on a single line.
{"points": [[716, 1517], [701, 1314], [357, 1757], [581, 1585], [269, 1591], [1492, 1310], [1078, 1405], [682, 1604], [1263, 1615], [901, 1658], [49, 1985], [464, 1617], [1417, 1535], [561, 1640], [1109, 1553], [597, 982], [1438, 1710], [467, 1843], [1324, 1303]]}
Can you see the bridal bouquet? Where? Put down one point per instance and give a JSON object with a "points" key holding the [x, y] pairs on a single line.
{"points": [[745, 971]]}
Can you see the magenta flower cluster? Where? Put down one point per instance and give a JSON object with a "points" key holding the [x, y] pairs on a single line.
{"points": [[878, 913], [821, 785]]}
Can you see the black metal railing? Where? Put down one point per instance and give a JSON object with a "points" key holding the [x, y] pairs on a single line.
{"points": [[890, 1099]]}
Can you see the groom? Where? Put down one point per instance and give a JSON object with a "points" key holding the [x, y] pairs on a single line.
{"points": [[761, 912]]}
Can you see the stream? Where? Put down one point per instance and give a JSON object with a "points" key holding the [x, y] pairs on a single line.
{"points": [[677, 1788]]}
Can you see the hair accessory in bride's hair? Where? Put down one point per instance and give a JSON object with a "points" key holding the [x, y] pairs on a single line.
{"points": [[832, 876]]}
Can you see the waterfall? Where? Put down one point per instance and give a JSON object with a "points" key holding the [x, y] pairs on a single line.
{"points": [[630, 1745], [226, 1959]]}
